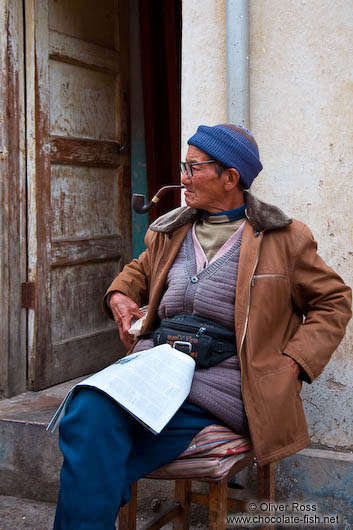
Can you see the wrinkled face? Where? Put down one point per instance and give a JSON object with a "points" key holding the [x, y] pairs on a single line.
{"points": [[204, 190]]}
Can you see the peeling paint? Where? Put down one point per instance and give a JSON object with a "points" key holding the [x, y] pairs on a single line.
{"points": [[12, 206], [78, 185]]}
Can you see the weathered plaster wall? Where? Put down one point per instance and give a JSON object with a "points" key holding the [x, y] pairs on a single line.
{"points": [[204, 94], [301, 112]]}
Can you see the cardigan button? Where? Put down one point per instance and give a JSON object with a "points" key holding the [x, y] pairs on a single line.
{"points": [[194, 279]]}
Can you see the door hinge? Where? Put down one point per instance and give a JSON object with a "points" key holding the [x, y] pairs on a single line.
{"points": [[27, 295]]}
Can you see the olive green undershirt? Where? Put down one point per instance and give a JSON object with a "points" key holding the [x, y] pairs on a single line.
{"points": [[213, 232]]}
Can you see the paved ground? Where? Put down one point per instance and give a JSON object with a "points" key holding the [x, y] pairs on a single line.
{"points": [[153, 495], [24, 514]]}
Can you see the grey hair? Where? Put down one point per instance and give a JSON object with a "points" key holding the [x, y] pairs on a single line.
{"points": [[219, 170]]}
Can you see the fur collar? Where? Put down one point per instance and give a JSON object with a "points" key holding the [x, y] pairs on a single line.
{"points": [[261, 215]]}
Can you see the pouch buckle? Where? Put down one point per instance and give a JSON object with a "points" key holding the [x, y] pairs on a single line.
{"points": [[183, 344]]}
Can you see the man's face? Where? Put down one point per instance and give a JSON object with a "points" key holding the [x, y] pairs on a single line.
{"points": [[204, 190]]}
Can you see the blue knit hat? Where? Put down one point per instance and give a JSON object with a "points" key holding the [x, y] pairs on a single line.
{"points": [[230, 147]]}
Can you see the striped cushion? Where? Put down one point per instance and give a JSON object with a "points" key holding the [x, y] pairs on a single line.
{"points": [[216, 440], [210, 455]]}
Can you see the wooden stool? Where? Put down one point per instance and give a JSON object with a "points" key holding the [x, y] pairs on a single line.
{"points": [[218, 500]]}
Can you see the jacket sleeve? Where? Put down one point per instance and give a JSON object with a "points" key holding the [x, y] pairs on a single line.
{"points": [[324, 300], [133, 281]]}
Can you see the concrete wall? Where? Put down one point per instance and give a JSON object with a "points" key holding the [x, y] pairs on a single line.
{"points": [[301, 113], [204, 91]]}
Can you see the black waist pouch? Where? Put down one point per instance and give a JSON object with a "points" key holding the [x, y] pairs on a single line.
{"points": [[207, 342]]}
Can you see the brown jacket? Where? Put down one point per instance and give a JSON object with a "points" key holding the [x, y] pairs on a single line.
{"points": [[287, 300]]}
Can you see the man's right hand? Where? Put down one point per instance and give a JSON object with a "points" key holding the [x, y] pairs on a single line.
{"points": [[124, 309]]}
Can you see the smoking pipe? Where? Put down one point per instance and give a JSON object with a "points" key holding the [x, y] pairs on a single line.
{"points": [[138, 201]]}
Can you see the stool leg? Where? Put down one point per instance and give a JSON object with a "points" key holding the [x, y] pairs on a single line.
{"points": [[182, 491], [266, 486], [127, 514], [217, 504]]}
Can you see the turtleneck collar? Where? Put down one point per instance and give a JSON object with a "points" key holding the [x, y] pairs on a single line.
{"points": [[230, 215]]}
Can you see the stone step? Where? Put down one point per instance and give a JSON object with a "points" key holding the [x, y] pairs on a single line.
{"points": [[30, 459], [30, 462]]}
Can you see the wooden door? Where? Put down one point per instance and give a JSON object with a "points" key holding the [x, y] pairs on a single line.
{"points": [[13, 368], [78, 181]]}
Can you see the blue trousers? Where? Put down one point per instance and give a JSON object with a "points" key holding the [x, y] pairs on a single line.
{"points": [[105, 450]]}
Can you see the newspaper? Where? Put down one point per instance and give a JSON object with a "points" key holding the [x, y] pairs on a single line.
{"points": [[151, 385]]}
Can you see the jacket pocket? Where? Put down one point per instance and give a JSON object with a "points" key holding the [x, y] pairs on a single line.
{"points": [[280, 398], [268, 276], [299, 382]]}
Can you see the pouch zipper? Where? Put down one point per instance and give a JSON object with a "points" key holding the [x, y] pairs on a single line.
{"points": [[185, 327], [200, 331], [180, 326]]}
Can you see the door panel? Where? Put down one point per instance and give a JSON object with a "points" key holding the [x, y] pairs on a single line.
{"points": [[75, 292], [87, 20], [81, 102], [78, 182], [79, 195]]}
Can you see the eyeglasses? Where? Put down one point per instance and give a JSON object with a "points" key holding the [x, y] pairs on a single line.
{"points": [[186, 167]]}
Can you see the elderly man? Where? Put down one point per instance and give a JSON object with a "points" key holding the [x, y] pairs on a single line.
{"points": [[243, 264]]}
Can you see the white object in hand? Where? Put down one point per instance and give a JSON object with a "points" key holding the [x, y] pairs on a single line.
{"points": [[136, 327]]}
